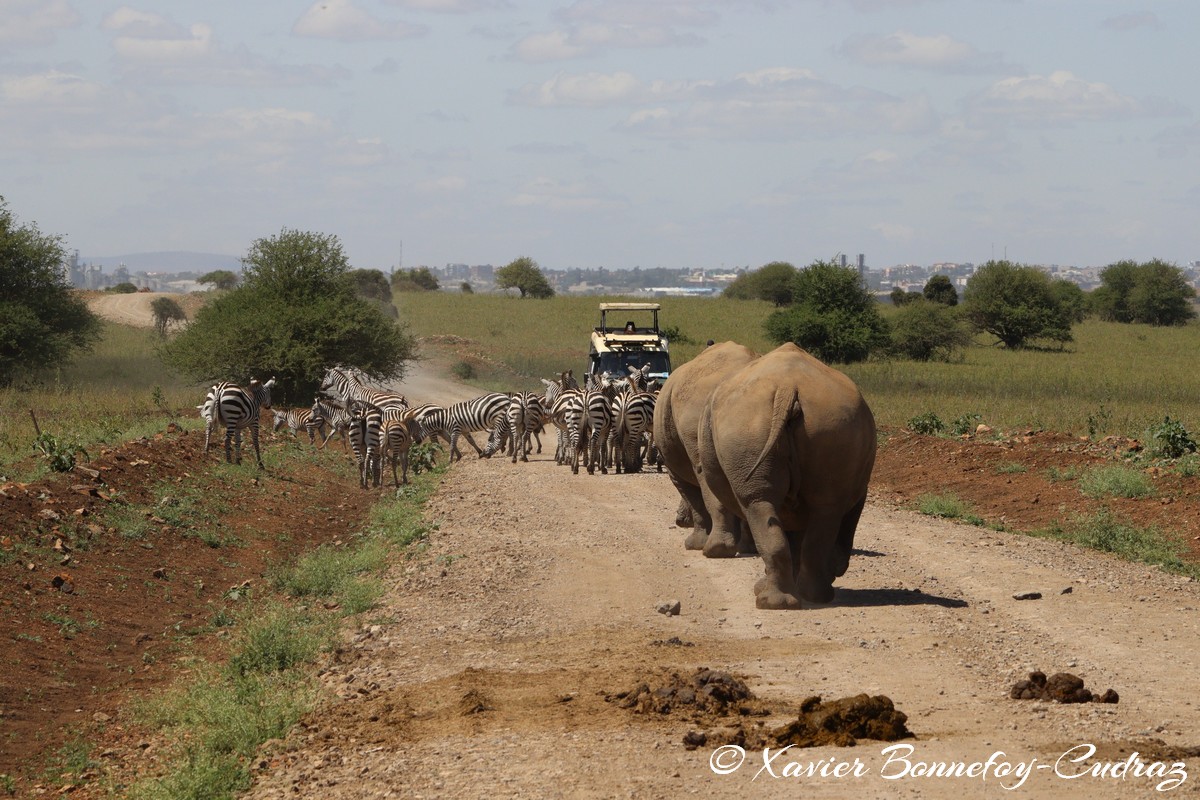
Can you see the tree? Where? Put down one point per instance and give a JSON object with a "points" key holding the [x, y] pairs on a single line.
{"points": [[371, 284], [929, 331], [1016, 304], [42, 323], [833, 316], [295, 315], [220, 278], [165, 311], [465, 288], [1153, 293], [900, 297], [939, 289], [122, 288], [772, 282], [1072, 298], [415, 280], [1162, 295], [525, 276]]}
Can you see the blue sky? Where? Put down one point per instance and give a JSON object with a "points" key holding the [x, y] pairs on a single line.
{"points": [[613, 133]]}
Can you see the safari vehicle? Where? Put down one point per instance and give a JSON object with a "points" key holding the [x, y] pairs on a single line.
{"points": [[628, 336]]}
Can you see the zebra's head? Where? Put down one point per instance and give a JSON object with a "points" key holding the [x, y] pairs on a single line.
{"points": [[280, 419], [262, 392]]}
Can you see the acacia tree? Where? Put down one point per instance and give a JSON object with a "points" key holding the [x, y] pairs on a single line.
{"points": [[1017, 304], [219, 278], [42, 323], [772, 282], [525, 276], [296, 314], [939, 289], [1153, 293], [833, 317], [165, 311]]}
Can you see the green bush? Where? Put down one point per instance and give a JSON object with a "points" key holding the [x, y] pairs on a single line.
{"points": [[928, 424], [1169, 439], [928, 331], [833, 316]]}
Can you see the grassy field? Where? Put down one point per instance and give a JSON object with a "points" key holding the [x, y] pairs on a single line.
{"points": [[119, 391], [1113, 379]]}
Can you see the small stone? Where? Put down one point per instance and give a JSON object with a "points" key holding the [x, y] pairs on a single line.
{"points": [[1027, 596], [669, 607]]}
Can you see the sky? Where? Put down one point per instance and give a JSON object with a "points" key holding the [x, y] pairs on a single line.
{"points": [[701, 134]]}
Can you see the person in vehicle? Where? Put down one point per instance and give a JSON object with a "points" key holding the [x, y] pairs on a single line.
{"points": [[630, 328]]}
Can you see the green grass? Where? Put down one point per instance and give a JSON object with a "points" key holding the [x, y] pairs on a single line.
{"points": [[1113, 379], [948, 506], [1108, 533], [117, 392], [222, 714], [1115, 480]]}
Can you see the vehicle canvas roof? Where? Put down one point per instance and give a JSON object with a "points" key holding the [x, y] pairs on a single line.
{"points": [[630, 307]]}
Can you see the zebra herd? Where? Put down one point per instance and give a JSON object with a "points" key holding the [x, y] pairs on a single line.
{"points": [[606, 424]]}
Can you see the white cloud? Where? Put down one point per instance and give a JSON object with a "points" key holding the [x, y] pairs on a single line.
{"points": [[344, 21], [1054, 99], [781, 104], [445, 184], [591, 27], [904, 49], [593, 90], [26, 23], [451, 6], [549, 193], [151, 49]]}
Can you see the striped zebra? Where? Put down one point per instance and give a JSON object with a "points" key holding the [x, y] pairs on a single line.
{"points": [[633, 417], [298, 418], [567, 415], [526, 415], [397, 434], [461, 419], [366, 429], [345, 385], [596, 422], [234, 408], [335, 416]]}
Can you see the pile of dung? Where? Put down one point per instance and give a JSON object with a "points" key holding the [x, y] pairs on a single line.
{"points": [[1062, 687], [839, 722], [843, 722], [705, 692]]}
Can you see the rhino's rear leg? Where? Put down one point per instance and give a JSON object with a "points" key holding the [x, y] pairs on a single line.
{"points": [[777, 587]]}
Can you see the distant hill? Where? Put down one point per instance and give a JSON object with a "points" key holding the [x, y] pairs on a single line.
{"points": [[170, 261]]}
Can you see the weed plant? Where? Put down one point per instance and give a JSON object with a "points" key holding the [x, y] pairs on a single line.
{"points": [[1115, 480]]}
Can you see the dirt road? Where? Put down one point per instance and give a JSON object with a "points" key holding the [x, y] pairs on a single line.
{"points": [[486, 670]]}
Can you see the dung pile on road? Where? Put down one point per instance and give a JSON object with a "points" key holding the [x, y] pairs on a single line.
{"points": [[1062, 687], [711, 697], [706, 692]]}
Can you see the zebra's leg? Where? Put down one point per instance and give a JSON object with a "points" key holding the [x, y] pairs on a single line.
{"points": [[478, 450], [229, 432], [254, 438]]}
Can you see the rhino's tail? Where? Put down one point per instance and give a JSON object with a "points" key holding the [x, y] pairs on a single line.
{"points": [[784, 408]]}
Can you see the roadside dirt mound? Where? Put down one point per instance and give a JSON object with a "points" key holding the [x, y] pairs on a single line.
{"points": [[109, 571], [1062, 687]]}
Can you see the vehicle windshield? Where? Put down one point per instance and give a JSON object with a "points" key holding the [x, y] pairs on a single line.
{"points": [[617, 364]]}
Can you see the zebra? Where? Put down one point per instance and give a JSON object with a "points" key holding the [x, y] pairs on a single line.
{"points": [[397, 435], [479, 414], [567, 414], [345, 385], [234, 408], [333, 415], [526, 415], [596, 422], [366, 425], [633, 416], [298, 418]]}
